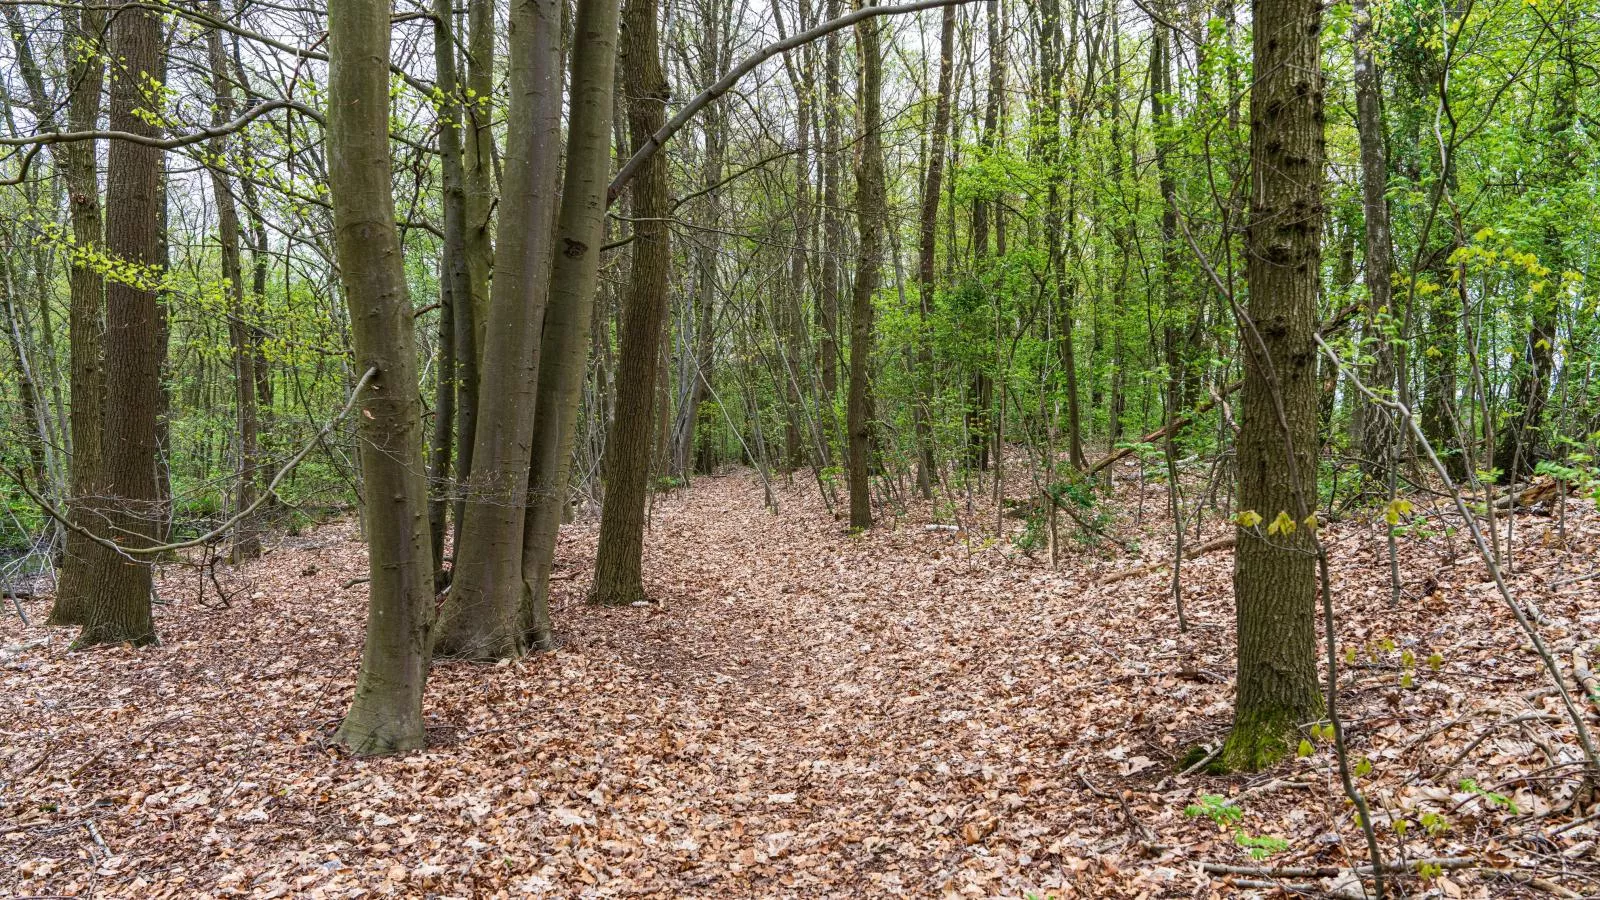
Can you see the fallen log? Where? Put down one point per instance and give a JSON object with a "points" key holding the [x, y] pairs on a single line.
{"points": [[1222, 543]]}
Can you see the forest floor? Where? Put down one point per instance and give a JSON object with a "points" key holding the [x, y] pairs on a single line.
{"points": [[913, 712]]}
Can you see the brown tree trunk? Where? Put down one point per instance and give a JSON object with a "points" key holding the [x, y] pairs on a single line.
{"points": [[1274, 578], [618, 578], [83, 557], [927, 472], [118, 607], [871, 216], [386, 712], [241, 343]]}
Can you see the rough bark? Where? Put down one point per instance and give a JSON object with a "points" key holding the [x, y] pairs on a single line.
{"points": [[870, 215], [85, 322], [386, 712], [118, 605], [932, 184], [618, 576], [1274, 576]]}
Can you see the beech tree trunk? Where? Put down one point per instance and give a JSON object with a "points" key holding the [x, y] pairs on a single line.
{"points": [[455, 285], [567, 320], [1275, 583], [871, 215], [618, 578], [482, 617], [386, 712]]}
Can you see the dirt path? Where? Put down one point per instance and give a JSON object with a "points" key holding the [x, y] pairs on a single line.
{"points": [[803, 713]]}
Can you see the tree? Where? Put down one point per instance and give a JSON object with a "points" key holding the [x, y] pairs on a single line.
{"points": [[482, 617], [386, 712], [568, 319], [82, 557], [118, 603], [927, 245], [246, 539], [618, 578], [871, 214], [1274, 578], [1379, 430]]}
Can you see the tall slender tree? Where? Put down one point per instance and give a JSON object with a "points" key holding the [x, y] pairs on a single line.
{"points": [[618, 578], [871, 216], [386, 712]]}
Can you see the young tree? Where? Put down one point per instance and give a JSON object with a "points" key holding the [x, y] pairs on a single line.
{"points": [[1274, 578], [386, 712], [871, 216], [1380, 431], [246, 539], [568, 319]]}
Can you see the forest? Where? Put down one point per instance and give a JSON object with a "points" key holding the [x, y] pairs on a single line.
{"points": [[798, 448]]}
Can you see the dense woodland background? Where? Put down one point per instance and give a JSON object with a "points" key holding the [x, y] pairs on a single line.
{"points": [[1058, 282]]}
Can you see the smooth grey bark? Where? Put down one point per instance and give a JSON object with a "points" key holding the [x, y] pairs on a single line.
{"points": [[241, 343], [386, 712], [482, 619], [1380, 432], [574, 275]]}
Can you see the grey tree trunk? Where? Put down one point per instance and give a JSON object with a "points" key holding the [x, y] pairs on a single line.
{"points": [[1379, 429], [482, 618], [567, 321], [241, 342], [386, 712]]}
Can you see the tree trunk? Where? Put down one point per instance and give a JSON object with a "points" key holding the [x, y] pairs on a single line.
{"points": [[482, 617], [386, 712], [618, 578], [118, 607], [567, 321], [931, 195], [1275, 581], [246, 536], [1379, 428], [832, 231], [83, 557], [871, 216]]}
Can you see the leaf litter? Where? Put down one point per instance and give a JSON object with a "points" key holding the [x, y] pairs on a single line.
{"points": [[804, 712]]}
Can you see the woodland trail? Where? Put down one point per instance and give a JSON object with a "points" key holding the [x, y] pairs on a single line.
{"points": [[803, 713]]}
